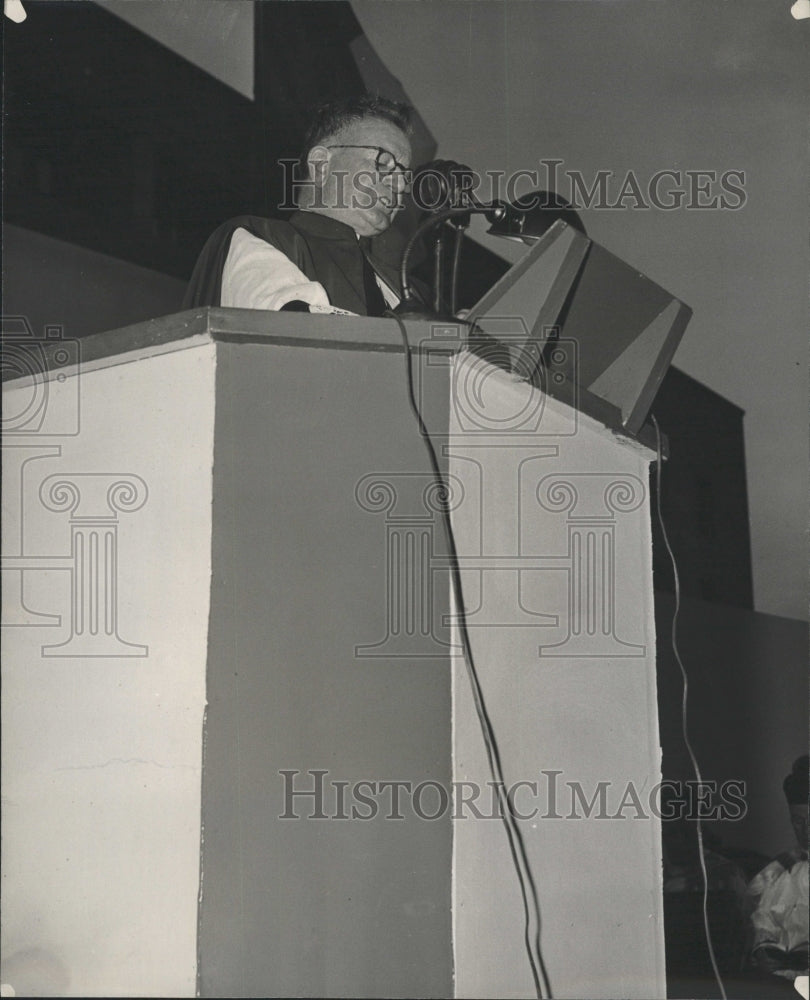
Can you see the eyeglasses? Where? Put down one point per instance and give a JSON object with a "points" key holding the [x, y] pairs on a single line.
{"points": [[385, 162]]}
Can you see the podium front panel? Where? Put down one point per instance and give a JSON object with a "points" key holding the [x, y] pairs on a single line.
{"points": [[328, 672]]}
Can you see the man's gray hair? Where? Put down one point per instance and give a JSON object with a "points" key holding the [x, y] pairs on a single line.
{"points": [[328, 119]]}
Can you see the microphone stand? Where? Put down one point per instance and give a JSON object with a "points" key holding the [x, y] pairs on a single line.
{"points": [[410, 304], [438, 272], [458, 234]]}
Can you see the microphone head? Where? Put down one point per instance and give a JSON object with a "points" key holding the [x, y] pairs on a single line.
{"points": [[442, 184]]}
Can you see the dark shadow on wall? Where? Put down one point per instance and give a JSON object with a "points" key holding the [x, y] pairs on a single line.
{"points": [[115, 146], [115, 143], [51, 282]]}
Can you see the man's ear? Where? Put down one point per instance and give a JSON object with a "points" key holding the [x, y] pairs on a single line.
{"points": [[318, 165]]}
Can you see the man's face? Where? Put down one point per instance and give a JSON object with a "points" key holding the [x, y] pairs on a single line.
{"points": [[354, 191]]}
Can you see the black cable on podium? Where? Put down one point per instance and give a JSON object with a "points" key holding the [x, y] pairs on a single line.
{"points": [[517, 847]]}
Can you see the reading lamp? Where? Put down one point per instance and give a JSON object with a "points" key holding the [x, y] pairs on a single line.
{"points": [[528, 218]]}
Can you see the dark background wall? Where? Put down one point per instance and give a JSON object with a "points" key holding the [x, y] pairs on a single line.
{"points": [[704, 501], [114, 142], [118, 144], [54, 282], [747, 710]]}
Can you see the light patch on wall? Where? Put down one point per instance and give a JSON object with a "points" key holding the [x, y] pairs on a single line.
{"points": [[216, 35], [14, 10]]}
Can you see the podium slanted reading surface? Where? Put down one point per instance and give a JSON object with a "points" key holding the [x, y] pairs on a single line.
{"points": [[240, 754]]}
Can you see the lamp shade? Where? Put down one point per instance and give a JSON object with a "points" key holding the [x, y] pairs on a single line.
{"points": [[531, 216]]}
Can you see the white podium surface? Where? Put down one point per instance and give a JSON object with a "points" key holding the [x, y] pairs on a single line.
{"points": [[169, 531], [106, 538], [554, 546]]}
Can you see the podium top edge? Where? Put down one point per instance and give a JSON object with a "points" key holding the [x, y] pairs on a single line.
{"points": [[209, 325], [205, 324]]}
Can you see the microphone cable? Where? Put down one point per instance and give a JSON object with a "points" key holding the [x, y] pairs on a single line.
{"points": [[684, 726], [517, 847]]}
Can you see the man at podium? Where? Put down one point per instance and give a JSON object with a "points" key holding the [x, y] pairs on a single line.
{"points": [[357, 156]]}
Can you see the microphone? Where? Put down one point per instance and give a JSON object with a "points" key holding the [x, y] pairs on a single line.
{"points": [[444, 191], [443, 184]]}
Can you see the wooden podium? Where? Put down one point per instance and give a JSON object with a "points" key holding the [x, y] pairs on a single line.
{"points": [[240, 754]]}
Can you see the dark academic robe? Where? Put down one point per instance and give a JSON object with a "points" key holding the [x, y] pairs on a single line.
{"points": [[324, 249]]}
